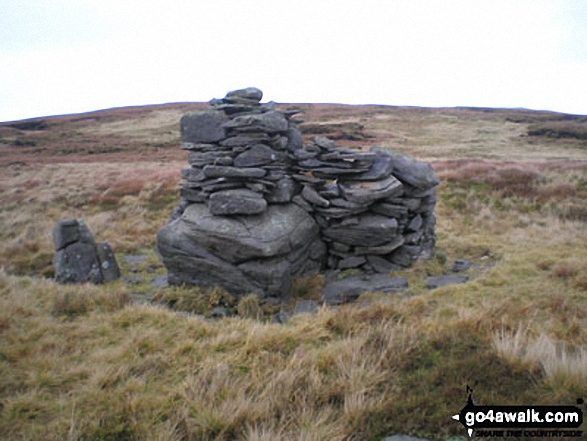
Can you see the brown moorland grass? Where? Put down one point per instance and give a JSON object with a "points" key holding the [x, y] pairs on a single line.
{"points": [[88, 362]]}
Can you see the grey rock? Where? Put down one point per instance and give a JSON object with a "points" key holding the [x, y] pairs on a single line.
{"points": [[135, 280], [203, 127], [160, 281], [280, 143], [351, 262], [278, 231], [244, 140], [70, 231], [224, 160], [200, 159], [303, 155], [294, 138], [370, 191], [306, 307], [65, 233], [301, 202], [249, 93], [386, 248], [107, 260], [390, 210], [135, 258], [415, 224], [257, 155], [323, 142], [339, 212], [193, 195], [283, 191], [349, 289], [240, 201], [460, 265], [381, 265], [330, 191], [219, 312], [405, 255], [244, 254], [381, 168], [308, 179], [269, 122], [451, 279], [414, 238], [312, 196], [77, 263], [216, 171], [410, 171], [372, 230], [336, 172], [193, 174], [411, 204]]}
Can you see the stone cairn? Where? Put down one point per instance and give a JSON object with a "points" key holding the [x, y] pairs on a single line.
{"points": [[77, 257], [258, 207]]}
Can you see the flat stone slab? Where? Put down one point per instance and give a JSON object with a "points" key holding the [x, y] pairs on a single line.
{"points": [[257, 155], [160, 281], [372, 230], [203, 127], [233, 202], [369, 191], [349, 289], [451, 279], [220, 171], [460, 265], [135, 258]]}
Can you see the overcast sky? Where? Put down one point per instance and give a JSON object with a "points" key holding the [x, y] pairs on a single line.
{"points": [[69, 56]]}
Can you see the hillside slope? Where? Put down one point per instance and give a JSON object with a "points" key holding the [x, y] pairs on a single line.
{"points": [[132, 360]]}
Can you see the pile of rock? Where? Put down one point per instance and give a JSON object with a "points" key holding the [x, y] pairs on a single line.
{"points": [[259, 208], [375, 209], [77, 257], [235, 225], [238, 155]]}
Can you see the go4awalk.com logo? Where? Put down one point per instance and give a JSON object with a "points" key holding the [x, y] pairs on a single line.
{"points": [[520, 421]]}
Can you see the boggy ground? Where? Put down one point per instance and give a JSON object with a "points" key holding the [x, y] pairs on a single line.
{"points": [[90, 363]]}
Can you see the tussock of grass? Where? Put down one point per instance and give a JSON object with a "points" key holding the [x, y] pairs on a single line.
{"points": [[560, 365]]}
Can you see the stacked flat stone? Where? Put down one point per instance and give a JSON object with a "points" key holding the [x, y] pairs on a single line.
{"points": [[258, 207], [235, 225], [238, 155], [375, 209]]}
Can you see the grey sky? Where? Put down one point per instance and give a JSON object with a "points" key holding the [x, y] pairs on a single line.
{"points": [[67, 56]]}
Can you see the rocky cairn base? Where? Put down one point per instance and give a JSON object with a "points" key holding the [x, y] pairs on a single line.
{"points": [[258, 207]]}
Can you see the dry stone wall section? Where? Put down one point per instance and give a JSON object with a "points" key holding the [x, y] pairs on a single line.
{"points": [[259, 207]]}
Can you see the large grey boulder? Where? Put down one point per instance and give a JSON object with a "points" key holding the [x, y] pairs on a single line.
{"points": [[244, 254]]}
